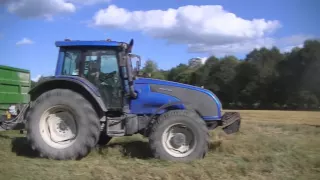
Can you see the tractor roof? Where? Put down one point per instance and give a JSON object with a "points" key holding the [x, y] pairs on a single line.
{"points": [[68, 42]]}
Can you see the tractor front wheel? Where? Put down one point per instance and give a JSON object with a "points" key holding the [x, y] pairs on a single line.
{"points": [[61, 124], [179, 135]]}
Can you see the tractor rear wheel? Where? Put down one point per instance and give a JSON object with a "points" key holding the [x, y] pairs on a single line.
{"points": [[179, 135], [61, 124]]}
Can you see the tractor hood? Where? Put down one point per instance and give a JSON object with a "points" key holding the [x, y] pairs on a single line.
{"points": [[168, 83], [185, 92]]}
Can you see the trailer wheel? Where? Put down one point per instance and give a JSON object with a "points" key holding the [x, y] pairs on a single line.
{"points": [[61, 124], [179, 135]]}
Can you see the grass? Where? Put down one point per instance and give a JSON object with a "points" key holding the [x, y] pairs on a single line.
{"points": [[270, 145]]}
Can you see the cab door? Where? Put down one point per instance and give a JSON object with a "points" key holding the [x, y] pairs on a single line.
{"points": [[101, 68]]}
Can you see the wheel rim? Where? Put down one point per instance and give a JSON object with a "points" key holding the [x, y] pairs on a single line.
{"points": [[58, 127], [178, 140]]}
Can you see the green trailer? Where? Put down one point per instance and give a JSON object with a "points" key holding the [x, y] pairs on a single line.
{"points": [[14, 98]]}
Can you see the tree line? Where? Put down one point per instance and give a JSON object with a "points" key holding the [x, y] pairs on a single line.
{"points": [[264, 79]]}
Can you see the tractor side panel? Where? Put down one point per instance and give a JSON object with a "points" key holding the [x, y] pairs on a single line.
{"points": [[206, 105], [148, 102]]}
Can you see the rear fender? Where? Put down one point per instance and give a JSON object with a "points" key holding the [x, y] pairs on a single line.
{"points": [[77, 84]]}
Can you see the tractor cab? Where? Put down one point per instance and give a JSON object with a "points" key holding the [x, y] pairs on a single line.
{"points": [[105, 64]]}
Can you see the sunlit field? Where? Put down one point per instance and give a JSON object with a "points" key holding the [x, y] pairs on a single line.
{"points": [[271, 145]]}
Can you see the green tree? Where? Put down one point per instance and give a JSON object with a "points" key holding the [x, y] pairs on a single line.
{"points": [[246, 83], [150, 66], [200, 75], [220, 78], [174, 73], [266, 60]]}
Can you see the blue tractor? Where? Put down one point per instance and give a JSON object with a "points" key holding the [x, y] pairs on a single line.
{"points": [[96, 95]]}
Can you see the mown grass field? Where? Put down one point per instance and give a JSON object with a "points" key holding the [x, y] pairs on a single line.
{"points": [[271, 145]]}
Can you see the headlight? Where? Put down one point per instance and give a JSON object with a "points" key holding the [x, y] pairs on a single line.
{"points": [[13, 110]]}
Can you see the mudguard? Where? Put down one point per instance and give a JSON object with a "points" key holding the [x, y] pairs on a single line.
{"points": [[71, 82]]}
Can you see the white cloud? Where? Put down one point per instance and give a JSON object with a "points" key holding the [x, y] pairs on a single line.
{"points": [[289, 48], [204, 29], [24, 41], [45, 8], [209, 25], [232, 48], [89, 2], [39, 8], [288, 43], [44, 74], [203, 59], [36, 79], [285, 44]]}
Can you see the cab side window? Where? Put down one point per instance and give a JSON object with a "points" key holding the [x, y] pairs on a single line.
{"points": [[109, 69], [109, 63]]}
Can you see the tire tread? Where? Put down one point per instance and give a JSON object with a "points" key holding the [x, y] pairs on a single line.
{"points": [[156, 151], [77, 150]]}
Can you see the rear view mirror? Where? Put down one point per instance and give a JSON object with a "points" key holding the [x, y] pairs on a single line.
{"points": [[138, 64]]}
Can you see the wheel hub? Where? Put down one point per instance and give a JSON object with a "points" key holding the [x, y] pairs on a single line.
{"points": [[58, 127], [61, 129], [178, 140], [62, 126]]}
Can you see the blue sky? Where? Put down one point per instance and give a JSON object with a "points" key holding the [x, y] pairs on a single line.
{"points": [[168, 31]]}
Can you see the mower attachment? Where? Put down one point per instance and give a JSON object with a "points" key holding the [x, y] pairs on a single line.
{"points": [[231, 122]]}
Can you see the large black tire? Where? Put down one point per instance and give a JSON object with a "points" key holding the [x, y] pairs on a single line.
{"points": [[187, 118], [87, 123]]}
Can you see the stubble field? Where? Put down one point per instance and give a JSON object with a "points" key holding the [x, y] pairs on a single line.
{"points": [[271, 145]]}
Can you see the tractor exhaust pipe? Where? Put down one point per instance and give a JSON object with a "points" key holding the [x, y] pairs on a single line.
{"points": [[130, 78], [129, 69]]}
